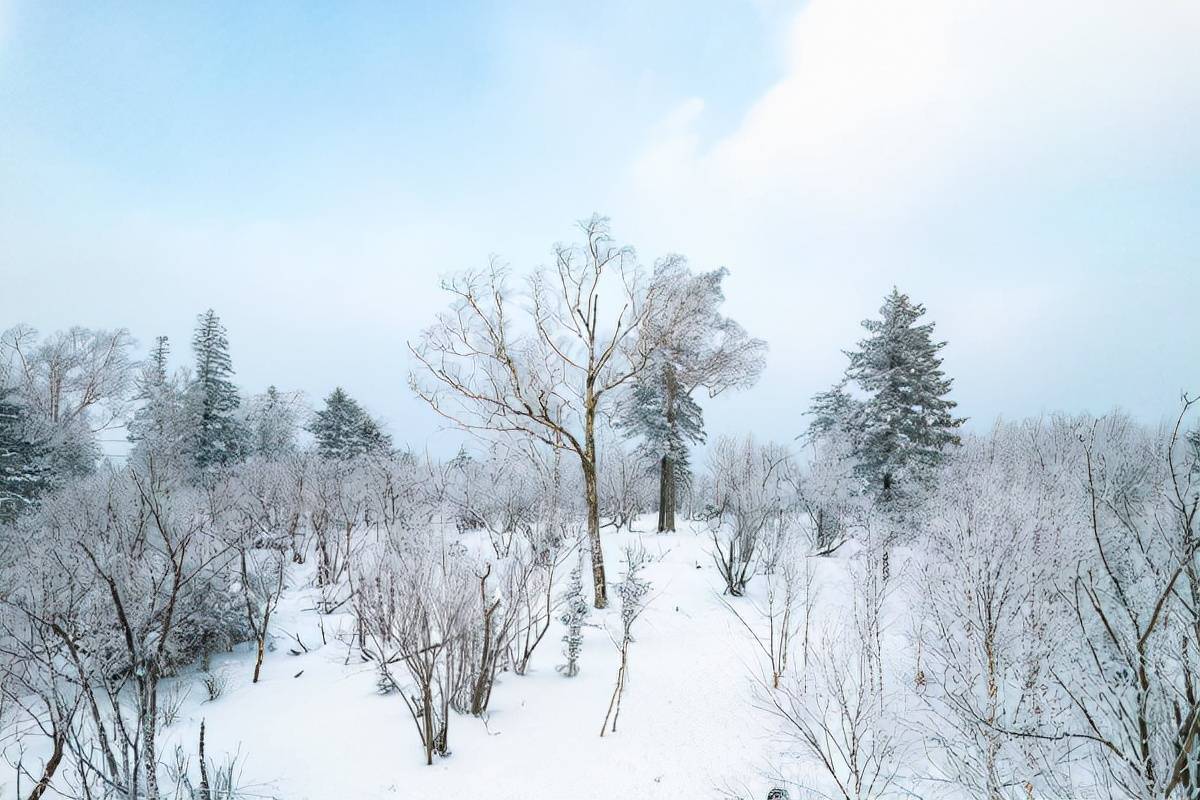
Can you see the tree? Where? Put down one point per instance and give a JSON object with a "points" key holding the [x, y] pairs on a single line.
{"points": [[220, 437], [161, 429], [274, 424], [546, 369], [21, 475], [343, 429], [903, 426], [701, 348], [73, 385]]}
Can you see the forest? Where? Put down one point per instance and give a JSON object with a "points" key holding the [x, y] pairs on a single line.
{"points": [[585, 594]]}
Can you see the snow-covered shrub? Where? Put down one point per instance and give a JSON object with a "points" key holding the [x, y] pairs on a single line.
{"points": [[575, 610], [841, 719], [215, 683], [417, 605], [632, 592], [748, 491]]}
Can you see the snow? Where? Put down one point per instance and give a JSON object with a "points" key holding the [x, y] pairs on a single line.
{"points": [[688, 724], [316, 728]]}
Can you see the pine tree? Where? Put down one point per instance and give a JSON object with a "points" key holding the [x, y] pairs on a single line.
{"points": [[902, 426], [22, 475], [157, 368], [706, 350], [220, 437], [161, 431], [343, 429], [668, 420], [372, 438]]}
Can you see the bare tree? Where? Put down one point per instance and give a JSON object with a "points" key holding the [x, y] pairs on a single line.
{"points": [[787, 613], [843, 720], [1134, 677], [260, 537], [632, 591], [416, 604], [989, 615], [545, 370], [746, 494]]}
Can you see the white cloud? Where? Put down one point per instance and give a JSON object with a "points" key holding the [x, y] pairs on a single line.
{"points": [[982, 155], [885, 103]]}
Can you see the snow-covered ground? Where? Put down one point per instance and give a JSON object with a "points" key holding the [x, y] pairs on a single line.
{"points": [[315, 728]]}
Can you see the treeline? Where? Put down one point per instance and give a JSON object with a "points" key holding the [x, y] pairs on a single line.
{"points": [[61, 394]]}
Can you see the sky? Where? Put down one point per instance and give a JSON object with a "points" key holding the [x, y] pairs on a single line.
{"points": [[1030, 171]]}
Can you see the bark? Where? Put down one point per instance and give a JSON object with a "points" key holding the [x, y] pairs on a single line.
{"points": [[204, 792], [60, 740], [592, 495]]}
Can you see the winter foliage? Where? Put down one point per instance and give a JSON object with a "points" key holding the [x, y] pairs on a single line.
{"points": [[894, 606]]}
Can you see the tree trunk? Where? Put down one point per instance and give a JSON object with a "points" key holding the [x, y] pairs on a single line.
{"points": [[205, 793], [599, 584], [60, 740], [149, 720], [258, 659], [666, 476]]}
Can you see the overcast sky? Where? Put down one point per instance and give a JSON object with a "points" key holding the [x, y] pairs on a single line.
{"points": [[1028, 170]]}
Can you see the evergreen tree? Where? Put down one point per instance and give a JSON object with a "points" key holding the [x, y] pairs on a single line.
{"points": [[372, 438], [161, 430], [904, 422], [705, 349], [220, 437], [343, 429], [156, 372], [22, 475], [668, 420]]}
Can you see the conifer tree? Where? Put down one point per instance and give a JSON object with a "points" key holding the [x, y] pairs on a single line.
{"points": [[22, 475], [702, 348], [343, 429], [220, 437], [161, 430], [372, 438], [903, 423], [668, 420]]}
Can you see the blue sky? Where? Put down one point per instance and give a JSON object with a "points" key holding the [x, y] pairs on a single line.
{"points": [[1028, 170]]}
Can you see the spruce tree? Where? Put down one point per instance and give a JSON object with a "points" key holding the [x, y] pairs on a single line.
{"points": [[220, 437], [22, 475], [343, 429], [903, 423], [668, 420], [372, 438], [162, 431], [702, 348]]}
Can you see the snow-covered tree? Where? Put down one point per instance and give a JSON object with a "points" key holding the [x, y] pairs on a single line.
{"points": [[575, 611], [220, 436], [632, 592], [749, 489], [549, 369], [343, 429], [274, 422], [22, 475], [904, 421], [73, 384], [161, 429], [698, 348]]}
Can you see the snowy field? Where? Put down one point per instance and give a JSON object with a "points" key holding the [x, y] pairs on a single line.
{"points": [[688, 726], [691, 725]]}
